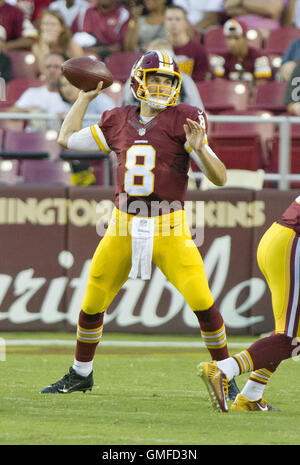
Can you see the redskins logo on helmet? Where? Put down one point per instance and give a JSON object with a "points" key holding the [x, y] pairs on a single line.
{"points": [[156, 95]]}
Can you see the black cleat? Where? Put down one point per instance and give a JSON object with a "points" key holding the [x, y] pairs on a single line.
{"points": [[233, 390], [71, 382]]}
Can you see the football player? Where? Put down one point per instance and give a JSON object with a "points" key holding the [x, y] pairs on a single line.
{"points": [[278, 257], [153, 144]]}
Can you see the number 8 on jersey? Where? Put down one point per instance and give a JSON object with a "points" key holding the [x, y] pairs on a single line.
{"points": [[140, 161]]}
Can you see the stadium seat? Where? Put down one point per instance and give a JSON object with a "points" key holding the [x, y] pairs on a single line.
{"points": [[45, 172], [214, 42], [222, 94], [33, 144], [16, 87], [120, 64], [295, 153], [269, 97], [242, 152], [233, 130], [23, 63], [9, 171], [278, 40]]}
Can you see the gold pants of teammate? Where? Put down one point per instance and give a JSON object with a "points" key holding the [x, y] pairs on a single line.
{"points": [[174, 252], [278, 258]]}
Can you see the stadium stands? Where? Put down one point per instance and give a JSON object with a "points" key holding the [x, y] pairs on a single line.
{"points": [[120, 64], [269, 97], [229, 132], [278, 40], [23, 63], [16, 87], [33, 144], [214, 42], [45, 172], [295, 152], [243, 146], [221, 95]]}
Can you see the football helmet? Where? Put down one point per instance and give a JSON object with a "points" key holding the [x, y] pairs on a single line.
{"points": [[156, 95]]}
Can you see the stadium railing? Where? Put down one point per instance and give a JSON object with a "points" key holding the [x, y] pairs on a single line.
{"points": [[284, 176]]}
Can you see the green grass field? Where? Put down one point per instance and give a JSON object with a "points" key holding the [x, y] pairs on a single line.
{"points": [[142, 396]]}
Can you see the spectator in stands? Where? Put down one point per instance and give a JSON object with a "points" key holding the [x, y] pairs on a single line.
{"points": [[12, 19], [46, 98], [145, 27], [202, 14], [107, 24], [5, 61], [265, 15], [241, 62], [39, 7], [192, 58], [54, 36], [69, 94], [27, 6], [71, 10], [189, 92], [289, 59], [292, 94]]}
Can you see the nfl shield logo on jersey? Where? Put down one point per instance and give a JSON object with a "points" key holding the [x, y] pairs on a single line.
{"points": [[142, 131]]}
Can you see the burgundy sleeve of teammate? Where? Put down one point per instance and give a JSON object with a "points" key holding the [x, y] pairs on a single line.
{"points": [[291, 217]]}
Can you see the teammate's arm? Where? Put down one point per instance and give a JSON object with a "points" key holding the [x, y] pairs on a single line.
{"points": [[73, 120], [212, 167]]}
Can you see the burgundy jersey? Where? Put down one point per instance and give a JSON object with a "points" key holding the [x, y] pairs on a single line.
{"points": [[153, 161], [108, 27], [11, 18], [192, 59], [291, 216], [254, 65]]}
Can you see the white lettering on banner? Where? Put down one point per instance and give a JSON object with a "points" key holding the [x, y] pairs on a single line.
{"points": [[25, 286], [230, 311], [82, 212], [217, 263]]}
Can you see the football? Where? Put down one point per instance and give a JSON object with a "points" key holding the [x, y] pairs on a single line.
{"points": [[86, 72]]}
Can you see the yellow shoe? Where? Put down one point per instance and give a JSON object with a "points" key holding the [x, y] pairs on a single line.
{"points": [[242, 403], [216, 384]]}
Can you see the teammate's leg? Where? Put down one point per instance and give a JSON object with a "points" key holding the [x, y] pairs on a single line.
{"points": [[278, 258]]}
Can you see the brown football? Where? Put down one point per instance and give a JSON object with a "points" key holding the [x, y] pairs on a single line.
{"points": [[85, 72]]}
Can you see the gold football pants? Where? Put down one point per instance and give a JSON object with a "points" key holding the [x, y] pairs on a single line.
{"points": [[174, 252], [278, 256]]}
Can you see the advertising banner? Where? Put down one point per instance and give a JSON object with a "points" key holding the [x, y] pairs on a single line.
{"points": [[48, 236]]}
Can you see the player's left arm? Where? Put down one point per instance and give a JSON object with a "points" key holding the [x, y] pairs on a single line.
{"points": [[196, 140], [73, 120]]}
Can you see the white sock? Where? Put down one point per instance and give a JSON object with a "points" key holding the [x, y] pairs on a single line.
{"points": [[229, 367], [83, 368], [253, 390]]}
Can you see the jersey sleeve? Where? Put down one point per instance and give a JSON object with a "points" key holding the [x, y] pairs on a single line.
{"points": [[95, 137], [105, 131], [200, 117]]}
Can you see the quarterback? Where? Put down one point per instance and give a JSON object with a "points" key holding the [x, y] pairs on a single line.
{"points": [[153, 144], [278, 257]]}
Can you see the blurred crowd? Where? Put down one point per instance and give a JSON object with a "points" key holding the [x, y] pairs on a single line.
{"points": [[227, 40]]}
